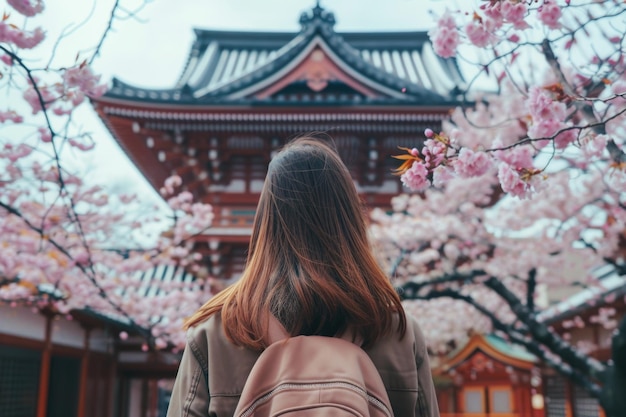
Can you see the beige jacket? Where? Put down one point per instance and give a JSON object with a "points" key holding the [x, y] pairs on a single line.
{"points": [[213, 371]]}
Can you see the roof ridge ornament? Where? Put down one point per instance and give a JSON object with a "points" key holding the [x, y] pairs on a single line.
{"points": [[318, 17]]}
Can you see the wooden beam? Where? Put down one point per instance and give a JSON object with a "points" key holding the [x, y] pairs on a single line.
{"points": [[21, 342]]}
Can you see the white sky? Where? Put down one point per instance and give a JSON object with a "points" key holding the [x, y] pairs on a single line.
{"points": [[150, 49]]}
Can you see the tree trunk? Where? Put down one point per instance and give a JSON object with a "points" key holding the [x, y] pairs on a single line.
{"points": [[613, 397]]}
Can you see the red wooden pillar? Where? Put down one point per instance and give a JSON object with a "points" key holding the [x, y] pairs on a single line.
{"points": [[569, 399], [44, 373], [84, 374]]}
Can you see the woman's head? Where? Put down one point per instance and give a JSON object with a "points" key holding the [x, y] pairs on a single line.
{"points": [[309, 214], [309, 262]]}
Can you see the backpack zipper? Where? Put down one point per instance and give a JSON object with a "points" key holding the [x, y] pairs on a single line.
{"points": [[370, 398]]}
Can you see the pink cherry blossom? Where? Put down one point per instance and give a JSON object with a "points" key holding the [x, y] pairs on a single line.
{"points": [[514, 38], [434, 153], [445, 36], [8, 61], [170, 184], [518, 157], [544, 129], [472, 164], [594, 146], [27, 7], [478, 34], [21, 39], [84, 144], [85, 80], [442, 175], [619, 90], [550, 14], [565, 137], [10, 115], [446, 20], [415, 177], [14, 153], [44, 134], [515, 12], [493, 11], [48, 96], [181, 201], [541, 106], [445, 41], [511, 182]]}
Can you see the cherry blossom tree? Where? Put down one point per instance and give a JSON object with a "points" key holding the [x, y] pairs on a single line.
{"points": [[522, 193], [66, 244]]}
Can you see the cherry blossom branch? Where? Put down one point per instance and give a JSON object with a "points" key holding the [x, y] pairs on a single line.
{"points": [[598, 125], [33, 82], [450, 293], [108, 28], [542, 333], [530, 289], [74, 218], [87, 273], [411, 288], [516, 336], [573, 374]]}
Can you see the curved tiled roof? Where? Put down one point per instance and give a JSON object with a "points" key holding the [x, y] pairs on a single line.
{"points": [[222, 63], [494, 347]]}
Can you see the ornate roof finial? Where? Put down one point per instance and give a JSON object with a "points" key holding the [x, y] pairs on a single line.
{"points": [[318, 15]]}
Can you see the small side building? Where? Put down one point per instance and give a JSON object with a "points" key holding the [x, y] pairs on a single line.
{"points": [[587, 320], [488, 377], [55, 366]]}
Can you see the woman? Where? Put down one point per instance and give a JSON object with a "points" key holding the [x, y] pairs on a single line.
{"points": [[310, 265]]}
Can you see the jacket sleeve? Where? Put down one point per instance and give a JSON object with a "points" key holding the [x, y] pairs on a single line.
{"points": [[427, 405], [190, 395]]}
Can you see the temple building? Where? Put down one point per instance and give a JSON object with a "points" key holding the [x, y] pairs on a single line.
{"points": [[243, 95]]}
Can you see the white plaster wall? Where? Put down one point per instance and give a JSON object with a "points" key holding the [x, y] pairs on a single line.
{"points": [[67, 333], [22, 322]]}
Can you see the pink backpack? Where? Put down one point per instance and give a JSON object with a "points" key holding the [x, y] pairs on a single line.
{"points": [[313, 376]]}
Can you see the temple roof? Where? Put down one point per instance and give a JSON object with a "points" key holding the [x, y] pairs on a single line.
{"points": [[241, 67], [493, 347]]}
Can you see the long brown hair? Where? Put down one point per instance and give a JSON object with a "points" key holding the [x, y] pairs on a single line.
{"points": [[309, 261]]}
